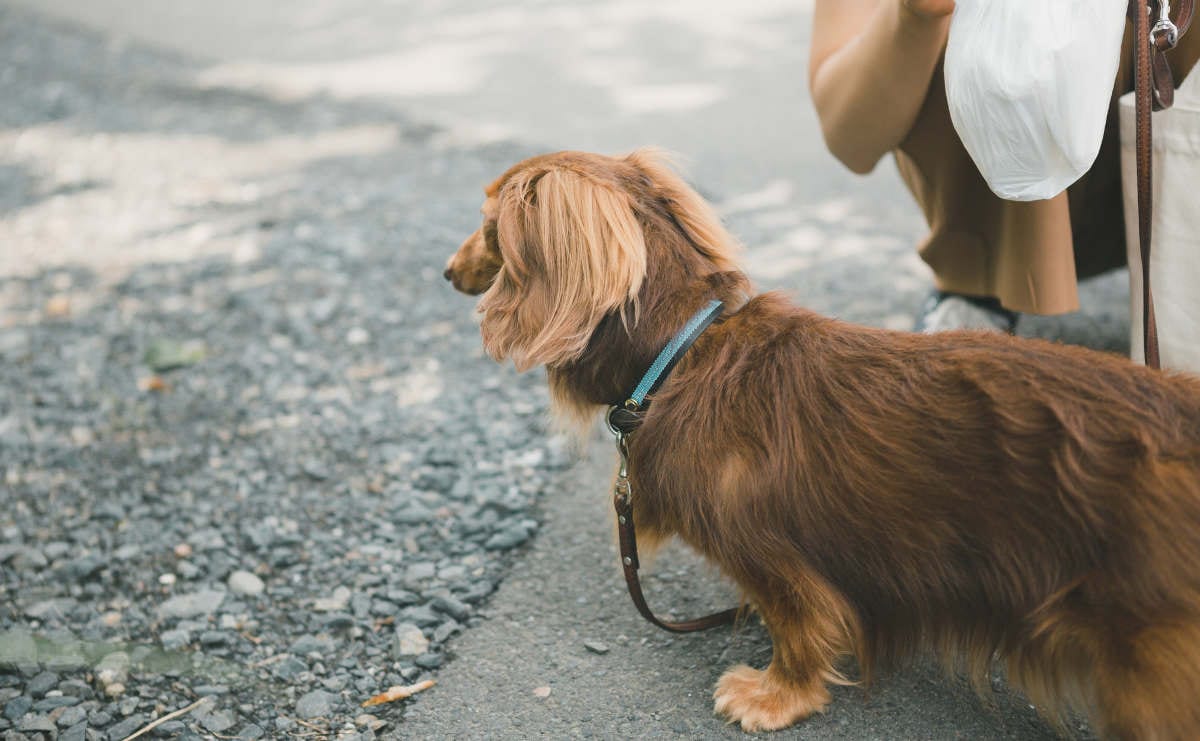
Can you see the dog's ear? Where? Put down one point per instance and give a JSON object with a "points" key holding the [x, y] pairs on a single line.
{"points": [[573, 251], [693, 214]]}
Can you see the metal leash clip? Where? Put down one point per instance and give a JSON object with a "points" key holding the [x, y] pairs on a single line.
{"points": [[1164, 28], [621, 488]]}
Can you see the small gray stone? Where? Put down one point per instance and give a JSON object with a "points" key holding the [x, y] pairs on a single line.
{"points": [[173, 729], [306, 645], [596, 647], [218, 720], [336, 602], [422, 615], [383, 608], [76, 688], [420, 572], [440, 479], [409, 641], [77, 732], [414, 514], [31, 723], [56, 549], [360, 605], [211, 638], [510, 536], [17, 707], [315, 704], [315, 469], [168, 354], [30, 559], [194, 604], [47, 704], [127, 552], [251, 732], [41, 684], [113, 668], [445, 630], [261, 537], [72, 716], [111, 511], [173, 640], [479, 590], [337, 621], [289, 667], [453, 607], [99, 719], [322, 310], [83, 568], [429, 661], [402, 597], [335, 683], [126, 727], [245, 583]]}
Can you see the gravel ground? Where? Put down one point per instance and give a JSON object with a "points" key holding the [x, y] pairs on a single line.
{"points": [[274, 472]]}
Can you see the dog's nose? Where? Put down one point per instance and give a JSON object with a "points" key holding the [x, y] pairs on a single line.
{"points": [[447, 274]]}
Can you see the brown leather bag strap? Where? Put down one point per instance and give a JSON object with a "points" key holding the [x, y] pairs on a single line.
{"points": [[1154, 89], [629, 562], [1143, 88]]}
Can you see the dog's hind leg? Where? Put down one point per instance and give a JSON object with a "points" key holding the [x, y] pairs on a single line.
{"points": [[806, 643], [1147, 685]]}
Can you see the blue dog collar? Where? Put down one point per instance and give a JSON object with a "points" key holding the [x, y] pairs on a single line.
{"points": [[671, 354]]}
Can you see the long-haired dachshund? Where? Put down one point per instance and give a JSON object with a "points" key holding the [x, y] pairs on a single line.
{"points": [[873, 493]]}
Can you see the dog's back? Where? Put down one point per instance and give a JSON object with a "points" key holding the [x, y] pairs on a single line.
{"points": [[968, 493]]}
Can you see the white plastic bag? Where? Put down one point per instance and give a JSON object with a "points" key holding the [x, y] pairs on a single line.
{"points": [[1175, 242], [1029, 84]]}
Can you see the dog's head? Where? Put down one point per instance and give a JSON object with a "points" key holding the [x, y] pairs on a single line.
{"points": [[569, 238]]}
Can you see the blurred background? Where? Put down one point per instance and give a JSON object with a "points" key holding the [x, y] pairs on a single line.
{"points": [[723, 87]]}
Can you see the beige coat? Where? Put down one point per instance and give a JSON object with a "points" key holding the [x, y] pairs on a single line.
{"points": [[1028, 255]]}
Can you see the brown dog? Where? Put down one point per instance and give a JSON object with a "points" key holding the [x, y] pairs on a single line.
{"points": [[872, 492]]}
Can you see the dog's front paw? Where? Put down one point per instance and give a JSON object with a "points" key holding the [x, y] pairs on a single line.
{"points": [[763, 701]]}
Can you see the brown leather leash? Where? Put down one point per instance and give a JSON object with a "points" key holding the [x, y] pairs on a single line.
{"points": [[626, 535], [1154, 89]]}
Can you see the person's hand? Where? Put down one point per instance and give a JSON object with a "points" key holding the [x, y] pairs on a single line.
{"points": [[928, 8]]}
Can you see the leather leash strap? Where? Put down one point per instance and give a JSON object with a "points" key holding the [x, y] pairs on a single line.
{"points": [[1154, 89], [629, 563]]}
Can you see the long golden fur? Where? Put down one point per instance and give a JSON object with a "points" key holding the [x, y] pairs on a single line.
{"points": [[873, 493]]}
